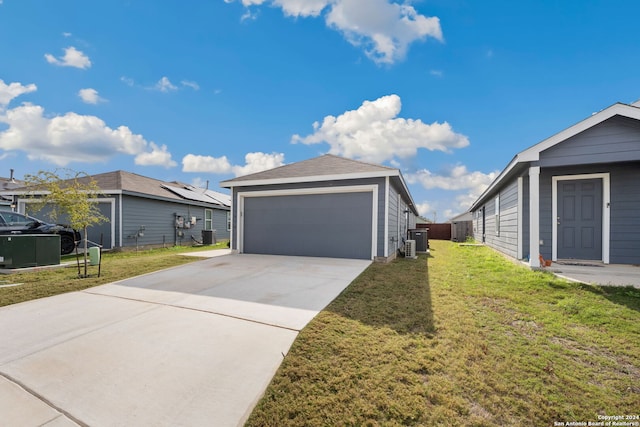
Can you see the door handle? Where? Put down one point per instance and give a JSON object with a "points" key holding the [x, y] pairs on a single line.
{"points": [[558, 220]]}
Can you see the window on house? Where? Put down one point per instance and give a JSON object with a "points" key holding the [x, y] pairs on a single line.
{"points": [[208, 219], [228, 221], [497, 215]]}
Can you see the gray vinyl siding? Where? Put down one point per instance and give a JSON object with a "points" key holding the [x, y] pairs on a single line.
{"points": [[506, 240], [625, 214], [158, 219], [302, 185], [614, 140], [395, 238], [220, 224], [398, 227]]}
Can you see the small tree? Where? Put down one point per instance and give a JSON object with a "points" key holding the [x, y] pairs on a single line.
{"points": [[69, 193]]}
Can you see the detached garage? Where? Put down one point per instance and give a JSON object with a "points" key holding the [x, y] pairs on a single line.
{"points": [[328, 206]]}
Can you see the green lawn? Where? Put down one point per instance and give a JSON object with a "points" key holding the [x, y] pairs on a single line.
{"points": [[115, 266], [464, 337]]}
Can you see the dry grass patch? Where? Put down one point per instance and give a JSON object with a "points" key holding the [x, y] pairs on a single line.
{"points": [[461, 338]]}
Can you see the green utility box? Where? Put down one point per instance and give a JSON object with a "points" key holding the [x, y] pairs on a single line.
{"points": [[29, 250]]}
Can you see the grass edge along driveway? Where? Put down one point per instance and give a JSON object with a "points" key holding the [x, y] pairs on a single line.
{"points": [[463, 337], [26, 286]]}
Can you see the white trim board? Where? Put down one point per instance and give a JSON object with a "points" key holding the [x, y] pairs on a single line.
{"points": [[314, 178], [520, 231], [386, 216], [373, 188], [606, 212]]}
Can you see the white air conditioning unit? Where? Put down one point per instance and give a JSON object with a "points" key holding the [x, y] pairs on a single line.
{"points": [[410, 249]]}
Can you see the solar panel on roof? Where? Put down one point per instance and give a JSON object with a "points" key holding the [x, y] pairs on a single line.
{"points": [[189, 195], [222, 198]]}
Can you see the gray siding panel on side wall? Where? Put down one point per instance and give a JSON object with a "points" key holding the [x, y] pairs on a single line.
{"points": [[506, 240], [394, 224], [220, 224], [158, 219], [614, 140], [625, 214]]}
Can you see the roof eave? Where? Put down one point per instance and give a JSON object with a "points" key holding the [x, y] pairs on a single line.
{"points": [[315, 178]]}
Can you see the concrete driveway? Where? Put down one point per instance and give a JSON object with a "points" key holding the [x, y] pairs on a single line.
{"points": [[194, 345]]}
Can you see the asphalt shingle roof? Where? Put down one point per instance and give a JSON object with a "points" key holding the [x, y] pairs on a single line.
{"points": [[327, 164], [134, 183]]}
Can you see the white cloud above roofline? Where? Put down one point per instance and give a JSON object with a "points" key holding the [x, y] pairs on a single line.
{"points": [[383, 29], [375, 133]]}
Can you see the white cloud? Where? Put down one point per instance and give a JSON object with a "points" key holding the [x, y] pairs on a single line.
{"points": [[465, 186], [382, 28], [457, 178], [209, 164], [73, 138], [72, 58], [13, 90], [258, 162], [254, 162], [305, 8], [127, 80], [248, 16], [374, 133], [158, 156], [436, 73], [192, 85], [165, 85], [425, 209], [90, 96], [66, 34]]}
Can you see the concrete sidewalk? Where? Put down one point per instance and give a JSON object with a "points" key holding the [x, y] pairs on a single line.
{"points": [[597, 273], [192, 345]]}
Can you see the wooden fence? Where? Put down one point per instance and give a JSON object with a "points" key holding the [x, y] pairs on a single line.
{"points": [[437, 231]]}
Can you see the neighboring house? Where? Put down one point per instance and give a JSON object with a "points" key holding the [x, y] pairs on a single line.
{"points": [[6, 202], [146, 212], [574, 195], [461, 227], [327, 206]]}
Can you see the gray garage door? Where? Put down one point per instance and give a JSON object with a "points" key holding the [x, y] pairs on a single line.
{"points": [[324, 225]]}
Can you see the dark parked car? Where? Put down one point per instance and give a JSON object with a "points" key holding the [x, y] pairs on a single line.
{"points": [[15, 223]]}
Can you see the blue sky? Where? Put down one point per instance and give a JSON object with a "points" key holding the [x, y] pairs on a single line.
{"points": [[448, 91]]}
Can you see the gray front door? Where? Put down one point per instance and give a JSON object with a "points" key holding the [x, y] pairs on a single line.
{"points": [[580, 219]]}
